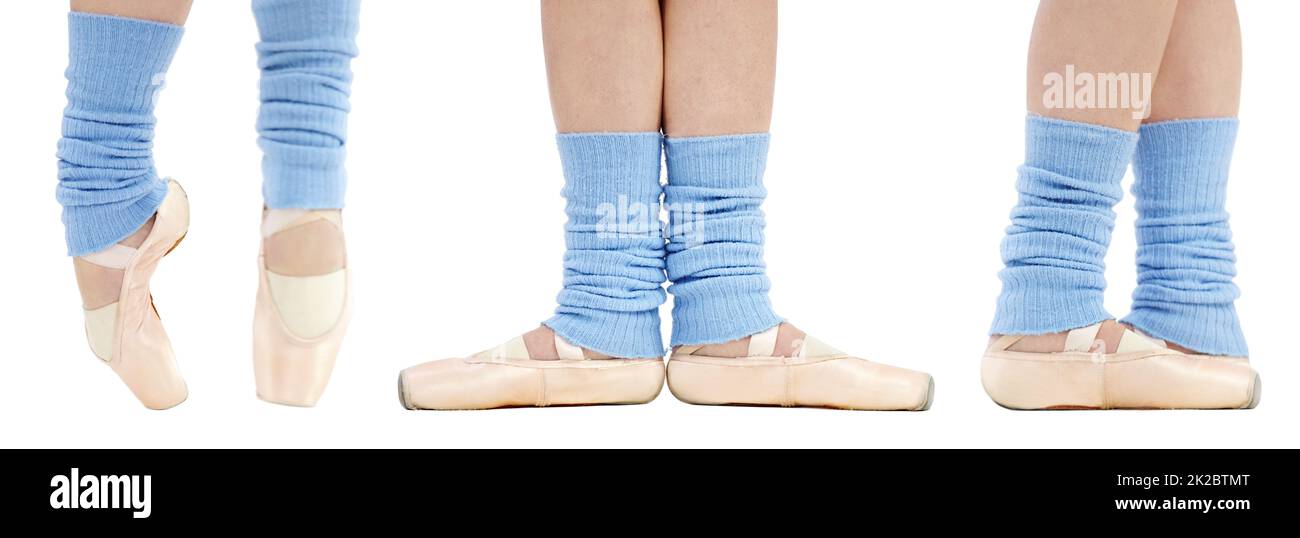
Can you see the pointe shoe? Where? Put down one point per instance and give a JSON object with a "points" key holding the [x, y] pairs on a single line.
{"points": [[1142, 373], [128, 335], [507, 376], [298, 324], [817, 375]]}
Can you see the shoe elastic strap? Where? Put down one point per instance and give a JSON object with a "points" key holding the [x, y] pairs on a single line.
{"points": [[1004, 342], [567, 351], [764, 344], [760, 345], [279, 220], [1132, 341], [1082, 339], [113, 257], [515, 348]]}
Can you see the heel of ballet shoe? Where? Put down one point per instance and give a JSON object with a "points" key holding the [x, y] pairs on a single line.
{"points": [[1074, 381]]}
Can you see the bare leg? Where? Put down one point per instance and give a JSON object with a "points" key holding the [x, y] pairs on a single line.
{"points": [[1101, 36], [100, 286], [719, 66], [168, 11], [604, 65], [1200, 75], [311, 249]]}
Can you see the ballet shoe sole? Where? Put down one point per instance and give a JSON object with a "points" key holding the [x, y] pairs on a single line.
{"points": [[798, 382], [566, 384], [1159, 380], [287, 402]]}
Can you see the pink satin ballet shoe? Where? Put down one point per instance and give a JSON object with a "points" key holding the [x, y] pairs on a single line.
{"points": [[507, 376], [128, 334], [814, 375], [1141, 373], [299, 321]]}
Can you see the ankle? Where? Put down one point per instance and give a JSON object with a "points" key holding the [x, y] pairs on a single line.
{"points": [[137, 237], [1107, 339], [303, 243], [100, 286], [789, 339], [541, 346]]}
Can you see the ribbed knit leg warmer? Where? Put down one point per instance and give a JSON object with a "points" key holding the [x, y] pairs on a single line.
{"points": [[715, 249], [1185, 256], [305, 55], [614, 265], [107, 182], [1054, 251]]}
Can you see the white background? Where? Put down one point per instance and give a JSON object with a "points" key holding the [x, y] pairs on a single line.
{"points": [[897, 131]]}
